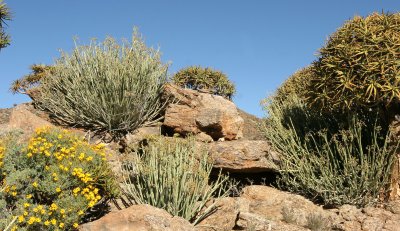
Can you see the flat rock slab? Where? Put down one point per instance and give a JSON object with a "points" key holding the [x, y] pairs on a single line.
{"points": [[247, 156]]}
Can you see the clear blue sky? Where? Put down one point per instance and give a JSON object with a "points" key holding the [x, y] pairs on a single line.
{"points": [[258, 44]]}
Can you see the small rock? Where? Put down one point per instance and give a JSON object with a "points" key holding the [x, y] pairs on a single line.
{"points": [[203, 137]]}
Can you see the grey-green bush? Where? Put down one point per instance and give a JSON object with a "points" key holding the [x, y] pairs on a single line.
{"points": [[174, 174], [347, 165], [106, 86]]}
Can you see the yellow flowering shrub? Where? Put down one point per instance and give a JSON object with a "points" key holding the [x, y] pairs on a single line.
{"points": [[54, 182]]}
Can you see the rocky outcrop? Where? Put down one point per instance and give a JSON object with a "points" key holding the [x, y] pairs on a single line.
{"points": [[251, 130], [138, 218], [22, 117], [265, 208], [194, 112], [246, 156], [223, 218], [366, 219]]}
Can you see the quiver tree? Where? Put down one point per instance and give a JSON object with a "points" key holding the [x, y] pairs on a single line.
{"points": [[359, 69]]}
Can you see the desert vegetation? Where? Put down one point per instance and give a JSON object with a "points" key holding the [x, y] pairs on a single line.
{"points": [[53, 181], [331, 120], [332, 124]]}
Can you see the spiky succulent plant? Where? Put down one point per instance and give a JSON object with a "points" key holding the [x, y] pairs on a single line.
{"points": [[196, 77], [360, 64]]}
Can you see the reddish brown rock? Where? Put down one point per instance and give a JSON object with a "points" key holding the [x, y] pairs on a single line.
{"points": [[24, 119], [139, 218], [223, 218], [247, 156], [269, 203], [195, 112]]}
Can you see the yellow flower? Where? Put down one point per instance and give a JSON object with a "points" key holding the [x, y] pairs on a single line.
{"points": [[61, 225], [53, 207], [26, 205], [31, 220], [81, 156], [58, 189], [29, 196], [75, 225], [29, 154], [35, 184], [91, 204], [62, 211], [80, 212], [53, 221], [21, 219], [47, 223]]}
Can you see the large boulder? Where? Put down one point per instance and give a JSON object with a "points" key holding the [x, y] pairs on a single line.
{"points": [[24, 118], [244, 156], [194, 112], [138, 218], [278, 206]]}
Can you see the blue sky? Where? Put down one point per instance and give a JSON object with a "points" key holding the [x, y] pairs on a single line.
{"points": [[258, 44]]}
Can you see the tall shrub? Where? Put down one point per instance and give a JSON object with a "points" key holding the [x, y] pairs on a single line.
{"points": [[331, 160], [106, 86]]}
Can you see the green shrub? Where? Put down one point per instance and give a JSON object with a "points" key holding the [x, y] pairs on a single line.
{"points": [[173, 174], [331, 161], [52, 183], [196, 78], [359, 65], [106, 86], [5, 15]]}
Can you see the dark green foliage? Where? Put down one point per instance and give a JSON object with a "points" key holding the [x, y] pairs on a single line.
{"points": [[196, 78], [359, 65], [298, 84], [5, 15]]}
